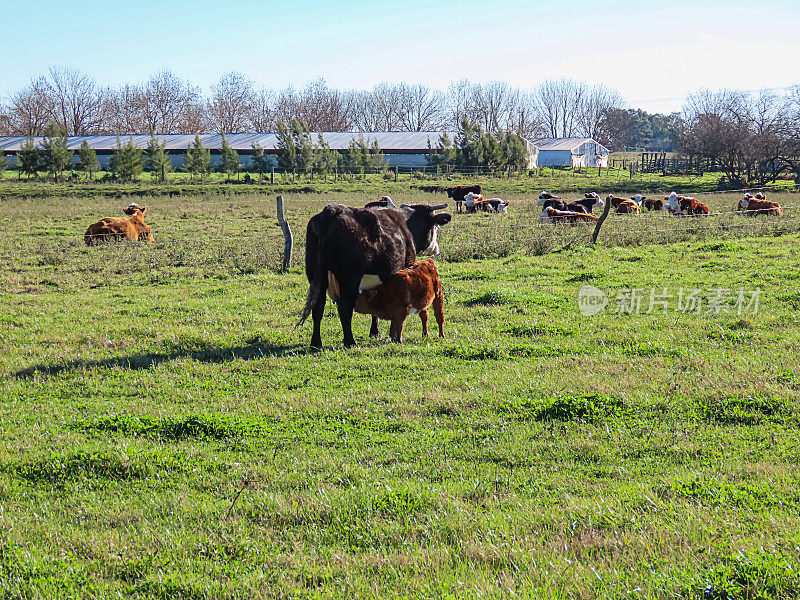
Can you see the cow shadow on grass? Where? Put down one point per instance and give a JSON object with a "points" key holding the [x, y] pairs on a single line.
{"points": [[255, 349]]}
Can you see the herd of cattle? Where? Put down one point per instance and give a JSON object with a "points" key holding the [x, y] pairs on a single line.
{"points": [[364, 259]]}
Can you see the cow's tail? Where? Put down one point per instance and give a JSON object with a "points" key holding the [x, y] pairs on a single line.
{"points": [[317, 281]]}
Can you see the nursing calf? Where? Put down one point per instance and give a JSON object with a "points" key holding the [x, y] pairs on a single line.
{"points": [[409, 291]]}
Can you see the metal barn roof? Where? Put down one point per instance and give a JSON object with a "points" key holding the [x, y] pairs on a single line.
{"points": [[569, 143], [389, 141]]}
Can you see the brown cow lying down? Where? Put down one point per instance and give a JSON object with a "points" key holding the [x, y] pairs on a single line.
{"points": [[131, 227], [615, 200], [408, 291], [628, 206], [753, 205], [552, 215], [685, 205], [648, 203]]}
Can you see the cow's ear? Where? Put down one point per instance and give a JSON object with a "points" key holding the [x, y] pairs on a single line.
{"points": [[144, 209], [442, 219]]}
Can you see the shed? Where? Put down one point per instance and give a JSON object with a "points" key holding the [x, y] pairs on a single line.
{"points": [[573, 152]]}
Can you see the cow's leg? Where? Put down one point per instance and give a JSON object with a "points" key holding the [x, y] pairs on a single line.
{"points": [[345, 308], [316, 316], [396, 330], [423, 316], [373, 330]]}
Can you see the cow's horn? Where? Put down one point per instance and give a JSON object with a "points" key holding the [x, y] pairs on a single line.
{"points": [[438, 206], [389, 202], [405, 206]]}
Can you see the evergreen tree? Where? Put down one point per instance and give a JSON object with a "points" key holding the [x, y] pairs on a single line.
{"points": [[87, 159], [230, 158], [28, 158], [358, 154], [156, 159], [287, 149], [470, 148], [514, 150], [444, 154], [376, 158], [326, 159], [3, 165], [306, 150], [54, 149], [126, 162], [198, 158], [259, 161]]}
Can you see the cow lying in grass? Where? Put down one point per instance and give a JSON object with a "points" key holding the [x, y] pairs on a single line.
{"points": [[587, 203], [759, 205], [553, 215], [648, 203], [685, 205], [409, 291], [131, 227], [476, 202], [628, 207]]}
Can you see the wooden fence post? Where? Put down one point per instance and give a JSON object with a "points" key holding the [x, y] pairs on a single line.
{"points": [[287, 236], [600, 221]]}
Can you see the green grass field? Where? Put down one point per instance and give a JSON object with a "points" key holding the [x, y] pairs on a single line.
{"points": [[167, 433]]}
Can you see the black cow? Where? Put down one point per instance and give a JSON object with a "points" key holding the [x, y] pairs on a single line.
{"points": [[350, 249], [586, 204], [458, 193], [546, 200]]}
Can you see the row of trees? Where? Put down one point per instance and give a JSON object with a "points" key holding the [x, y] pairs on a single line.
{"points": [[167, 104], [752, 138]]}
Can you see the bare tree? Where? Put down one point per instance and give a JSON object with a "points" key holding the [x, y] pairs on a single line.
{"points": [[459, 103], [558, 105], [491, 104], [122, 111], [262, 111], [77, 100], [423, 108], [523, 118], [31, 108], [231, 103], [595, 104], [168, 104], [322, 108]]}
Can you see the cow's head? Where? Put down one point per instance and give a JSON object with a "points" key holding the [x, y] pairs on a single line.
{"points": [[673, 203], [146, 234], [134, 208], [744, 203], [544, 196], [423, 224], [639, 199]]}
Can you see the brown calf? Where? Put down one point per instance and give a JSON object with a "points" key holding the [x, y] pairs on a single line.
{"points": [[753, 205], [628, 206], [131, 227], [408, 291]]}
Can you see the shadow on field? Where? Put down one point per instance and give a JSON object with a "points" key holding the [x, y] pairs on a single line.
{"points": [[256, 349]]}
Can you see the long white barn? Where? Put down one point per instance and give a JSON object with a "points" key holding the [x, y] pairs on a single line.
{"points": [[407, 149]]}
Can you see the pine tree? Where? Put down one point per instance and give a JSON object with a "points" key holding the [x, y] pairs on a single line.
{"points": [[87, 159], [358, 154], [28, 158], [287, 149], [54, 149], [198, 158], [259, 161], [126, 162], [444, 154], [156, 159], [376, 158], [230, 158], [326, 159]]}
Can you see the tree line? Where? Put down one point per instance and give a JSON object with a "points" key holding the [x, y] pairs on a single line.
{"points": [[167, 104]]}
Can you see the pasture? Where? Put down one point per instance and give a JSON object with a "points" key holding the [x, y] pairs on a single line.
{"points": [[167, 433]]}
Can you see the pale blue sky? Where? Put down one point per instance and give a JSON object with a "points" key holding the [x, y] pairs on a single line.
{"points": [[652, 52]]}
